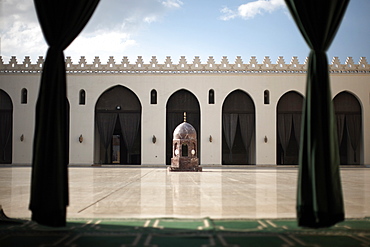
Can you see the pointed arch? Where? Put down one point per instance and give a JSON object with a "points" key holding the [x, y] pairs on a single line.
{"points": [[118, 127], [179, 102], [288, 128], [348, 113], [238, 129]]}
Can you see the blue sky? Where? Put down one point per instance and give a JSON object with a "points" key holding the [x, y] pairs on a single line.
{"points": [[184, 28]]}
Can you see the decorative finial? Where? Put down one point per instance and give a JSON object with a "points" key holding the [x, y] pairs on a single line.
{"points": [[185, 116]]}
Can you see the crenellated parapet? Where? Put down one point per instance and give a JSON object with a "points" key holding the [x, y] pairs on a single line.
{"points": [[184, 66]]}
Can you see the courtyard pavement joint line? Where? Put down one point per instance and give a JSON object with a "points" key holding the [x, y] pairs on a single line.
{"points": [[104, 197]]}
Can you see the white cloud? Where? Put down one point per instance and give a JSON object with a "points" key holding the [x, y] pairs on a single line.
{"points": [[251, 9], [172, 3], [20, 31], [111, 30], [150, 19], [227, 14], [23, 39], [100, 43]]}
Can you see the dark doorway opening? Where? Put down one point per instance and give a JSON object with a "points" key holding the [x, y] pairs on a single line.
{"points": [[288, 128], [348, 115], [120, 154], [6, 128], [238, 129], [118, 122]]}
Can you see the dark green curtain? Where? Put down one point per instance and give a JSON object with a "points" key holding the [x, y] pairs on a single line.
{"points": [[319, 195], [61, 22]]}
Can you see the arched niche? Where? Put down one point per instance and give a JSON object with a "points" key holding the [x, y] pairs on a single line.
{"points": [[118, 127], [82, 97], [24, 96], [238, 129], [211, 96], [288, 128], [153, 97], [179, 102], [348, 115], [6, 130], [266, 97]]}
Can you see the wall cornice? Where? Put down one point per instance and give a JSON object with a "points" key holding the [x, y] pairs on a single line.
{"points": [[183, 67]]}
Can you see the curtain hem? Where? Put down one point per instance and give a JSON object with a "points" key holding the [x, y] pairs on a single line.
{"points": [[309, 218], [53, 218]]}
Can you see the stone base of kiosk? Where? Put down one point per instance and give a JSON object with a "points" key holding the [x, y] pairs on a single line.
{"points": [[177, 169]]}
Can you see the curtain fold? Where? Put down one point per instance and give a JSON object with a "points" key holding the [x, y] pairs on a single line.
{"points": [[319, 191], [297, 122], [230, 122], [130, 123], [246, 122], [340, 127], [193, 119], [106, 123], [61, 22], [174, 119], [354, 131], [285, 130]]}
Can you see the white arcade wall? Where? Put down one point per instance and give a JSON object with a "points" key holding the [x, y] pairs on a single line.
{"points": [[253, 78]]}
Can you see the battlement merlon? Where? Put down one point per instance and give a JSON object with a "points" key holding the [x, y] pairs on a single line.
{"points": [[183, 66]]}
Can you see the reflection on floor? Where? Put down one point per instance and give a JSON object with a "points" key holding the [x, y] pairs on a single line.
{"points": [[219, 193]]}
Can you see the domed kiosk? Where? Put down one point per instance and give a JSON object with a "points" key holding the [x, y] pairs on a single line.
{"points": [[184, 148]]}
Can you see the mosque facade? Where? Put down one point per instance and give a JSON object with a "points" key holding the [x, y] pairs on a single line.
{"points": [[123, 112]]}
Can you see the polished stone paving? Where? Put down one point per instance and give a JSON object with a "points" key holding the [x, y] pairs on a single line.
{"points": [[147, 192]]}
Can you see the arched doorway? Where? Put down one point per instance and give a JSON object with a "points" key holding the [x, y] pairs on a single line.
{"points": [[349, 127], [238, 129], [180, 102], [118, 124], [6, 130], [288, 128]]}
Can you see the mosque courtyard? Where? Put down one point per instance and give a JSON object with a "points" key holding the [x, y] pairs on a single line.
{"points": [[227, 192]]}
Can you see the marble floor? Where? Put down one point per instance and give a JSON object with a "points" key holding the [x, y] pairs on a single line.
{"points": [[147, 192]]}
